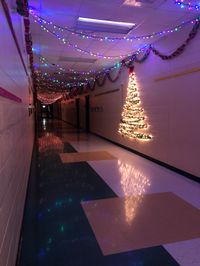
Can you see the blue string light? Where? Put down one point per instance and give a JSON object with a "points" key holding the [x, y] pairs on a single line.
{"points": [[188, 5], [86, 36]]}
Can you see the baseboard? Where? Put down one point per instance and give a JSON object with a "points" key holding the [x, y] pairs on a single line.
{"points": [[172, 168]]}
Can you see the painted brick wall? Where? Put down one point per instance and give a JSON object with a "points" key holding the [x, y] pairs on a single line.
{"points": [[172, 105], [16, 140], [69, 112]]}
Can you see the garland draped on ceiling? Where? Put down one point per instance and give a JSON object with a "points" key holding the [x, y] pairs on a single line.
{"points": [[129, 62], [100, 79]]}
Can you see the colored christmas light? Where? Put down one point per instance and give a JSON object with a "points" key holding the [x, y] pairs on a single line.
{"points": [[133, 123], [49, 82], [61, 71], [77, 48], [86, 36], [188, 5], [49, 98]]}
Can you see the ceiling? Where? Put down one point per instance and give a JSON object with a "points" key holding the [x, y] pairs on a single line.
{"points": [[151, 16]]}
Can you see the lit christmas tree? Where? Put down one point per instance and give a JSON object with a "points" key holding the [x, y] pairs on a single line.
{"points": [[133, 123]]}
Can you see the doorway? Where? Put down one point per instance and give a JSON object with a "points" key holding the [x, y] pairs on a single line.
{"points": [[87, 113], [46, 110]]}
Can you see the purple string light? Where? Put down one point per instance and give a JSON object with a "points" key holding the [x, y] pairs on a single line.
{"points": [[188, 5], [41, 20]]}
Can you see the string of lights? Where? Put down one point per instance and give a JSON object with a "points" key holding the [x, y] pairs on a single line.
{"points": [[93, 73], [127, 62], [49, 98], [47, 80], [86, 36], [79, 49], [133, 119], [62, 71], [187, 5]]}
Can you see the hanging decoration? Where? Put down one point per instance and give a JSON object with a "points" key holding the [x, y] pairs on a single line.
{"points": [[136, 57], [49, 98], [86, 36], [94, 77], [139, 56], [46, 79], [133, 123], [22, 9], [81, 50], [181, 48], [187, 5], [76, 88], [62, 72]]}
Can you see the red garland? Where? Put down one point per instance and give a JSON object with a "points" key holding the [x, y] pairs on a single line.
{"points": [[100, 82], [22, 8], [117, 76], [181, 48], [89, 87]]}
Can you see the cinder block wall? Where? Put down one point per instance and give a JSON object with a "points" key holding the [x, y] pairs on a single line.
{"points": [[16, 139]]}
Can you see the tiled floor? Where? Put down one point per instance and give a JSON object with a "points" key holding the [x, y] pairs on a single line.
{"points": [[142, 221], [56, 230], [73, 157]]}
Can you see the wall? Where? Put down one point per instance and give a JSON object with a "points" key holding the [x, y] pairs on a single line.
{"points": [[16, 139], [69, 112], [172, 105], [82, 112]]}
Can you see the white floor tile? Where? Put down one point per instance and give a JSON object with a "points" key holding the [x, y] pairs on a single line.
{"points": [[186, 253]]}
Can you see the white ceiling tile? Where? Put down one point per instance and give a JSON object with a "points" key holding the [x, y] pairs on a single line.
{"points": [[149, 18]]}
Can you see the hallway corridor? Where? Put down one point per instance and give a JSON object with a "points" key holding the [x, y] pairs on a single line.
{"points": [[83, 212], [99, 133]]}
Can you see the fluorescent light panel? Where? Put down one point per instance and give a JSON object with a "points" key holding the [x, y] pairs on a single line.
{"points": [[104, 25], [107, 22]]}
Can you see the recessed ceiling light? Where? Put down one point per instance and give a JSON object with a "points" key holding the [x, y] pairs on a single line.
{"points": [[107, 22], [138, 3], [132, 3], [104, 25]]}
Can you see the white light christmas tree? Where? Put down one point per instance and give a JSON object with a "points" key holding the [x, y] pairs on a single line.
{"points": [[133, 124]]}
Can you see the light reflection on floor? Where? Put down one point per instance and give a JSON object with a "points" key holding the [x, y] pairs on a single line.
{"points": [[56, 231]]}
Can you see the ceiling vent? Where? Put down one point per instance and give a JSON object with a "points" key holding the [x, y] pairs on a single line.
{"points": [[99, 25], [77, 60]]}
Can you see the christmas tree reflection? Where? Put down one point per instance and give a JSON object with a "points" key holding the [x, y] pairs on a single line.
{"points": [[133, 183]]}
